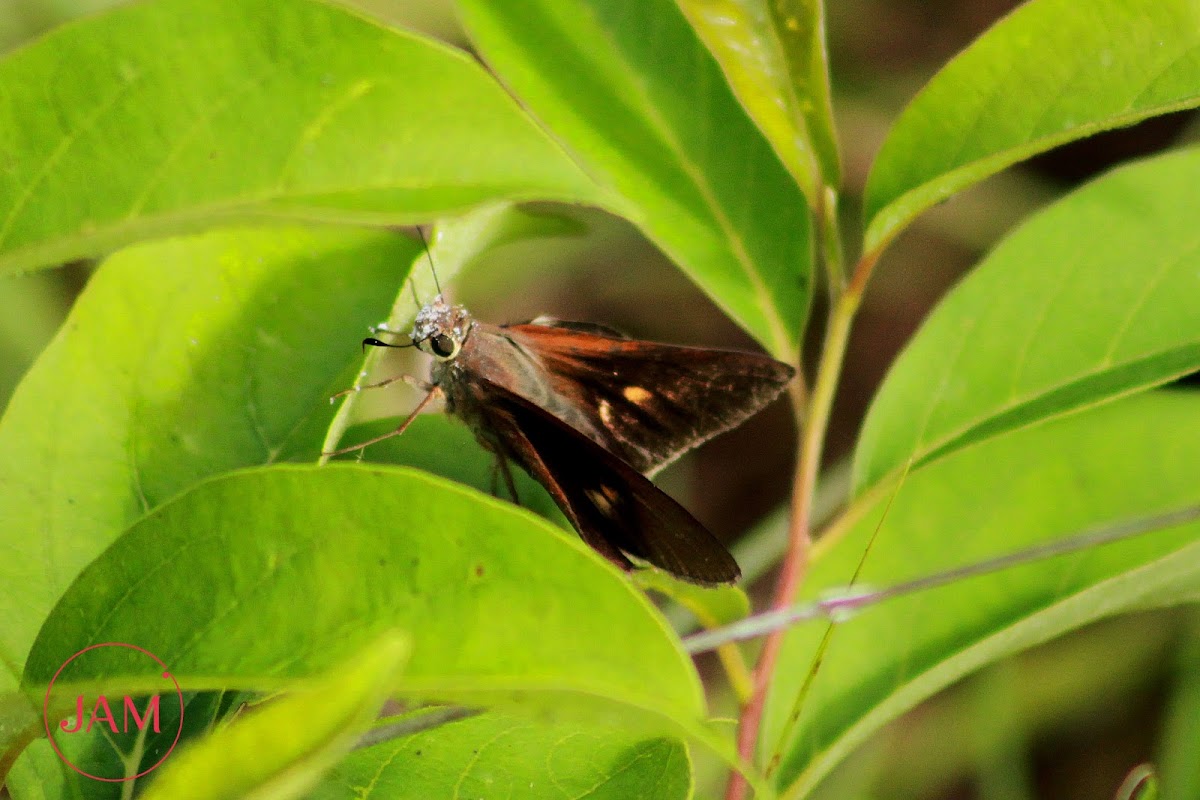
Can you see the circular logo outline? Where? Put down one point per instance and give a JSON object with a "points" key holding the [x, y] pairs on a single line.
{"points": [[46, 713]]}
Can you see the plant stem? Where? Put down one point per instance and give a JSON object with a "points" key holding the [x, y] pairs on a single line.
{"points": [[831, 245], [812, 432]]}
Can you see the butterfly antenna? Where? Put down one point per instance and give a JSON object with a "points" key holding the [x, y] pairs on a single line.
{"points": [[429, 255]]}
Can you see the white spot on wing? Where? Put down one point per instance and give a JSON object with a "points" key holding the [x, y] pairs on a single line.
{"points": [[605, 412]]}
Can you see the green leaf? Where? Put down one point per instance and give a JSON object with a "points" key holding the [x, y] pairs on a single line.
{"points": [[1120, 461], [986, 725], [181, 360], [281, 750], [458, 243], [1055, 319], [20, 723], [163, 117], [712, 605], [500, 755], [1050, 72], [773, 55], [41, 775], [329, 558], [642, 105]]}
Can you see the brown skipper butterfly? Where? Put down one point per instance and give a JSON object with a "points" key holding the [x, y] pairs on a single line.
{"points": [[589, 413]]}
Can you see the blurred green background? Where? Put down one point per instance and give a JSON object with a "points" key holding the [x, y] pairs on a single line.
{"points": [[1065, 721]]}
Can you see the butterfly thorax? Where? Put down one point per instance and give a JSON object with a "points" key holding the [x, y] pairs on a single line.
{"points": [[469, 354]]}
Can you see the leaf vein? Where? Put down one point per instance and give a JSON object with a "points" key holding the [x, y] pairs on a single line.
{"points": [[319, 122], [56, 154], [187, 136], [1043, 314], [1120, 331]]}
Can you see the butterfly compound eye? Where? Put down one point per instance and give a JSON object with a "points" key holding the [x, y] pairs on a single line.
{"points": [[443, 346]]}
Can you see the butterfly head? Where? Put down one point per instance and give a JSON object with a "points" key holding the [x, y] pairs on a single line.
{"points": [[441, 329]]}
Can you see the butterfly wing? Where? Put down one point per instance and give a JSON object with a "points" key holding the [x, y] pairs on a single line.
{"points": [[646, 402], [615, 509]]}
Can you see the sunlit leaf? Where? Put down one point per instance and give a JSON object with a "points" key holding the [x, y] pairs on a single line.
{"points": [[1056, 318], [1117, 462], [180, 360], [1050, 72], [157, 118], [499, 755], [773, 55], [328, 558]]}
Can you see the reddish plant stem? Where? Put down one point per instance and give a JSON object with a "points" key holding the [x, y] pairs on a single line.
{"points": [[795, 564]]}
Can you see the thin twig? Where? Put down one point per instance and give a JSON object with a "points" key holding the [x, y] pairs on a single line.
{"points": [[841, 607], [414, 724]]}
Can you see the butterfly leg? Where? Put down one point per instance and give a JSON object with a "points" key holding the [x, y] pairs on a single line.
{"points": [[500, 467], [433, 392], [416, 383]]}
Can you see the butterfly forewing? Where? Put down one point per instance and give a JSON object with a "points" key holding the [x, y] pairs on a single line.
{"points": [[646, 402], [615, 509]]}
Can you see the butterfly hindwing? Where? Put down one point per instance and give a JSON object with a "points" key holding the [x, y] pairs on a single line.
{"points": [[616, 510]]}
